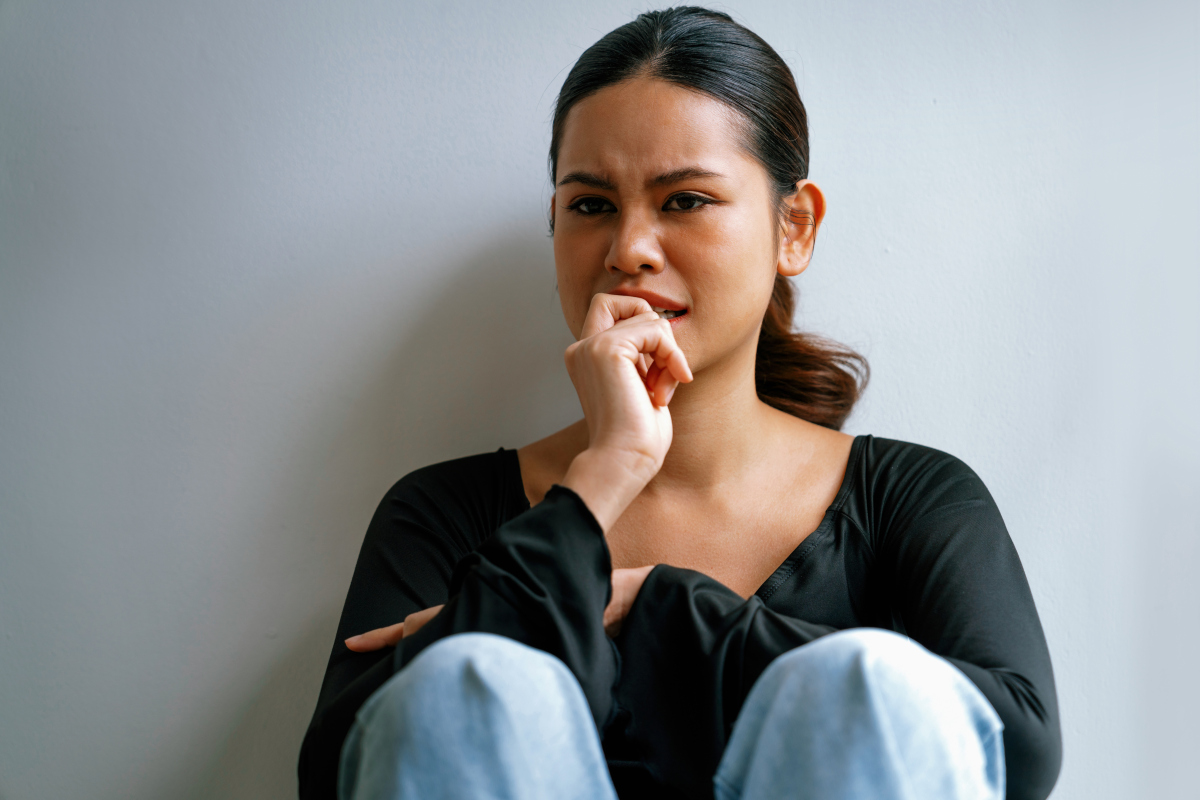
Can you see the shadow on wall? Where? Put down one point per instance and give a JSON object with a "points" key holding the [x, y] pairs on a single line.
{"points": [[481, 367]]}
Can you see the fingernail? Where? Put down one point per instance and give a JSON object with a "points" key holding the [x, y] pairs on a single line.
{"points": [[354, 639], [670, 394]]}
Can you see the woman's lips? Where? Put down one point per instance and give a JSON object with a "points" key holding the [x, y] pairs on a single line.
{"points": [[669, 313], [657, 301], [675, 320]]}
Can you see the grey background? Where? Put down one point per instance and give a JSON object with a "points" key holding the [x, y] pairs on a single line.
{"points": [[260, 259]]}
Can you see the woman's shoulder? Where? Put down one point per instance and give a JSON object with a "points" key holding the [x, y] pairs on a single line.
{"points": [[453, 473], [475, 493], [898, 458], [898, 480]]}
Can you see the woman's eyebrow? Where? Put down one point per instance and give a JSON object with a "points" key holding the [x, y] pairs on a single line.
{"points": [[665, 179], [683, 174], [588, 179]]}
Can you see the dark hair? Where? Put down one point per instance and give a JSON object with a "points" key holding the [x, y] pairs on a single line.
{"points": [[805, 375]]}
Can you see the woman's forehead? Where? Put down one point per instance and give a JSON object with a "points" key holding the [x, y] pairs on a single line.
{"points": [[651, 127]]}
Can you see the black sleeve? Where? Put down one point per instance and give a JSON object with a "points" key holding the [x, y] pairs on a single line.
{"points": [[542, 579], [961, 592]]}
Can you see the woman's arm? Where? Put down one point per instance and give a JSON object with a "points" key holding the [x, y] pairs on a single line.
{"points": [[962, 593], [543, 577]]}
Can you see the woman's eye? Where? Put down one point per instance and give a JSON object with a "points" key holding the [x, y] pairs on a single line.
{"points": [[591, 205], [685, 202]]}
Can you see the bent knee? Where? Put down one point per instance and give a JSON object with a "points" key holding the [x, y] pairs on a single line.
{"points": [[484, 657], [870, 650], [478, 663], [875, 649], [888, 667]]}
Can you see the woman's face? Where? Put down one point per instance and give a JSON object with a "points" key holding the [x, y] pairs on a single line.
{"points": [[655, 197]]}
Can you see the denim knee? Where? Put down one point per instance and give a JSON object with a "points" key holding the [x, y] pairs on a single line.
{"points": [[484, 654], [469, 712], [863, 713], [501, 668], [899, 679], [880, 658], [856, 645]]}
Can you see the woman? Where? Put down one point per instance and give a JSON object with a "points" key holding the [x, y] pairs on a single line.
{"points": [[702, 587]]}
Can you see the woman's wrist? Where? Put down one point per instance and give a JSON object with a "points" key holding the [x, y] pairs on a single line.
{"points": [[607, 482]]}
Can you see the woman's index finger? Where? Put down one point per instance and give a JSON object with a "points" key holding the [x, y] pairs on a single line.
{"points": [[609, 309], [656, 341], [376, 639]]}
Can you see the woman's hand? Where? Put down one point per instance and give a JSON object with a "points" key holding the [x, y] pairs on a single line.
{"points": [[625, 368], [392, 634], [626, 583]]}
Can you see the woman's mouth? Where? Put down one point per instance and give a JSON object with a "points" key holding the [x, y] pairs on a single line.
{"points": [[665, 314]]}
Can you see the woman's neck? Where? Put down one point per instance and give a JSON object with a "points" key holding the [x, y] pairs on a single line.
{"points": [[720, 428], [721, 432]]}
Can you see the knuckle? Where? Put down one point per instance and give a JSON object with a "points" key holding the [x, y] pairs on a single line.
{"points": [[606, 345]]}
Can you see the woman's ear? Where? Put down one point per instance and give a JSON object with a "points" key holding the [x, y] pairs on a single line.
{"points": [[805, 210], [552, 199]]}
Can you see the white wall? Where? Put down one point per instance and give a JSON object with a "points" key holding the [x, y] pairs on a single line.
{"points": [[258, 260]]}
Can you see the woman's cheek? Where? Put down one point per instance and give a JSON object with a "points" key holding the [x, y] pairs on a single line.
{"points": [[575, 298], [731, 306]]}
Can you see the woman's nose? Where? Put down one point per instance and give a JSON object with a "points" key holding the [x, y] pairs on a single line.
{"points": [[635, 247]]}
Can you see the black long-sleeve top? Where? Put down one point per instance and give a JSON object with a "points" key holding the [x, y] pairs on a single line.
{"points": [[913, 543]]}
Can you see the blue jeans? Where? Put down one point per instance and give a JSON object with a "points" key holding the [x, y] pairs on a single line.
{"points": [[863, 713]]}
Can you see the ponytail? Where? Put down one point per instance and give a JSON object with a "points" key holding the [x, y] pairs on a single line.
{"points": [[807, 376]]}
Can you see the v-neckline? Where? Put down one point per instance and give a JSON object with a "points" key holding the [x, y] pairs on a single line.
{"points": [[784, 570], [789, 565]]}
